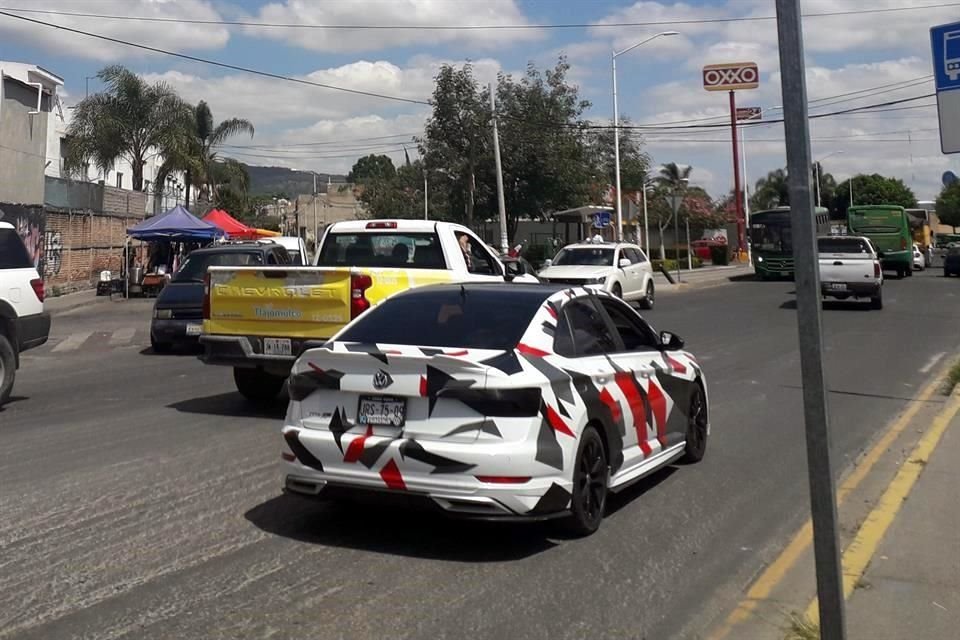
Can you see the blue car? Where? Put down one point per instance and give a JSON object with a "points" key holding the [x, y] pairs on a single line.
{"points": [[951, 261]]}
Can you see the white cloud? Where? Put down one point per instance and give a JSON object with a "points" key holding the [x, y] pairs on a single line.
{"points": [[399, 14], [175, 36]]}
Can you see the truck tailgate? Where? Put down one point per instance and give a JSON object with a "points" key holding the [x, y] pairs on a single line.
{"points": [[278, 301], [845, 267]]}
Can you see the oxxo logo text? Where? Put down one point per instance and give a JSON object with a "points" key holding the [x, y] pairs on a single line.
{"points": [[727, 77], [234, 291]]}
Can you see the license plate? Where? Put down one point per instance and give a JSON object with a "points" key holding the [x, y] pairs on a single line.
{"points": [[277, 347], [837, 286], [194, 329], [382, 411]]}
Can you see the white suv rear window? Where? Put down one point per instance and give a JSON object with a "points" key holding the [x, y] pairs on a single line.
{"points": [[13, 255]]}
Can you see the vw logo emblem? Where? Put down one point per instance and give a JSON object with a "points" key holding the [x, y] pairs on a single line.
{"points": [[382, 380]]}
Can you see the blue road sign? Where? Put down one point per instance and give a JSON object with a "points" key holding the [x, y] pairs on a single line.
{"points": [[601, 219], [945, 46]]}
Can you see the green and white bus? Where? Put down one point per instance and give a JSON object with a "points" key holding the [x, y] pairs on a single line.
{"points": [[888, 228], [771, 240]]}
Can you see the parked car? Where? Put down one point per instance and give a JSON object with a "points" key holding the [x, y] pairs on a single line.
{"points": [[260, 330], [951, 260], [850, 268], [23, 322], [494, 401], [178, 310], [919, 259], [620, 269], [296, 249]]}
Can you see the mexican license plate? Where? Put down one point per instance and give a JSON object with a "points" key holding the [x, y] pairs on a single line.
{"points": [[277, 347], [837, 286], [194, 329], [382, 411]]}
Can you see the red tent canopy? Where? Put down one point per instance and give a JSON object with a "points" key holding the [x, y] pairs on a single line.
{"points": [[234, 228]]}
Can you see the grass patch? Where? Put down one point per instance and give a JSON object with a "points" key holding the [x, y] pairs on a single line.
{"points": [[800, 628], [953, 379]]}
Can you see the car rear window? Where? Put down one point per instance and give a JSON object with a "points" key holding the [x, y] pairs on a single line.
{"points": [[842, 245], [196, 265], [13, 255], [449, 317], [387, 249]]}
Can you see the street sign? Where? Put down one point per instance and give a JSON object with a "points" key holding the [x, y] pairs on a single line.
{"points": [[601, 219], [749, 113], [945, 46], [731, 76]]}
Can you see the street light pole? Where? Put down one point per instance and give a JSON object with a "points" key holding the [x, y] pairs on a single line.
{"points": [[616, 126], [646, 225], [816, 171]]}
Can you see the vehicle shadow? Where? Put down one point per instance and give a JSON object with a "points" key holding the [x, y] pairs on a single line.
{"points": [[232, 405], [835, 305], [621, 499], [11, 400], [176, 352], [365, 524]]}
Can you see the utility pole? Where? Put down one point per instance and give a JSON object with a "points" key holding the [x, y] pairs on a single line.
{"points": [[823, 507], [316, 229], [501, 205], [646, 225], [426, 209]]}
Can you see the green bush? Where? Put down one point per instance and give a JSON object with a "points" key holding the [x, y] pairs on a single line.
{"points": [[671, 265], [720, 255]]}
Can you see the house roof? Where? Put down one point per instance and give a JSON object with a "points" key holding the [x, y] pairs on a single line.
{"points": [[27, 73]]}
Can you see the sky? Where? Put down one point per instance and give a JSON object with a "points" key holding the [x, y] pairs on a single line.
{"points": [[875, 53]]}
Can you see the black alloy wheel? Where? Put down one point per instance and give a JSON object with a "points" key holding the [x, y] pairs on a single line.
{"points": [[696, 427], [591, 475]]}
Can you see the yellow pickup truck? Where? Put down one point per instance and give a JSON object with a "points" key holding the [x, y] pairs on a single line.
{"points": [[258, 320]]}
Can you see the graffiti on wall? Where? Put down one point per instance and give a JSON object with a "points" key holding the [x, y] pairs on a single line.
{"points": [[52, 253], [30, 223]]}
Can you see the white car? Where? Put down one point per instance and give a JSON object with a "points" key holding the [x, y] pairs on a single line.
{"points": [[620, 269], [509, 401], [919, 260]]}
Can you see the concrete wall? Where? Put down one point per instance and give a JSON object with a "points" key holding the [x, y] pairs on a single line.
{"points": [[23, 140]]}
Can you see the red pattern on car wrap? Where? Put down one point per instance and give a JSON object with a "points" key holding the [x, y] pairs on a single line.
{"points": [[527, 350], [628, 385], [658, 405], [391, 476], [355, 449], [423, 386], [612, 404], [675, 364], [557, 423]]}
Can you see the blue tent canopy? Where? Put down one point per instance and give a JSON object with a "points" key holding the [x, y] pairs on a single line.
{"points": [[178, 225]]}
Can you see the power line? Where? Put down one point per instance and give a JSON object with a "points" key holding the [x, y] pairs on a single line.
{"points": [[470, 27], [224, 65], [329, 142]]}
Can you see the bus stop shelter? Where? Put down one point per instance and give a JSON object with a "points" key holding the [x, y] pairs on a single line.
{"points": [[580, 221]]}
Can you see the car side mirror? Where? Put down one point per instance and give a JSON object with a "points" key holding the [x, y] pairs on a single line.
{"points": [[511, 270], [547, 263], [624, 263], [670, 341]]}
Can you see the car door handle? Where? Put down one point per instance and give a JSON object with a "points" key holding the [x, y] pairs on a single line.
{"points": [[603, 379], [837, 263]]}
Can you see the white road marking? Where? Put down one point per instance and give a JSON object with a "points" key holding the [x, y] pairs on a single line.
{"points": [[122, 336], [73, 341], [932, 362]]}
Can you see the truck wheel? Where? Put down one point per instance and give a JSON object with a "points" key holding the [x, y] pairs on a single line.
{"points": [[256, 385], [876, 302], [8, 369]]}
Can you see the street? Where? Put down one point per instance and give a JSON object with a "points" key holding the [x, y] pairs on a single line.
{"points": [[141, 494]]}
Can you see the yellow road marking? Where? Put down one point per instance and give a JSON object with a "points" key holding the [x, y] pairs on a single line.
{"points": [[763, 586], [857, 556]]}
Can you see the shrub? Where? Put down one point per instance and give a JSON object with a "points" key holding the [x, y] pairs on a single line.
{"points": [[720, 255]]}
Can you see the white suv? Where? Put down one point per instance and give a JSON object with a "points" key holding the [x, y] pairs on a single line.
{"points": [[619, 268], [23, 322]]}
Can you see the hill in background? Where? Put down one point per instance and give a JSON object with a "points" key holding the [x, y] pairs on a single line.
{"points": [[272, 180]]}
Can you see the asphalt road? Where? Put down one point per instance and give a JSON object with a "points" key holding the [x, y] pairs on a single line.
{"points": [[140, 495]]}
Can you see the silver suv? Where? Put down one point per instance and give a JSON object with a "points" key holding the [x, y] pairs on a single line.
{"points": [[23, 322]]}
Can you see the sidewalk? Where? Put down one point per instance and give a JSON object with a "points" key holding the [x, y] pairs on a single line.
{"points": [[69, 302], [702, 277]]}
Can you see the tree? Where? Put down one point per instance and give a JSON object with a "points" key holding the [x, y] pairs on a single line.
{"points": [[129, 121], [371, 167], [670, 179], [948, 205], [634, 163], [828, 185], [394, 195], [771, 191], [873, 189], [194, 150]]}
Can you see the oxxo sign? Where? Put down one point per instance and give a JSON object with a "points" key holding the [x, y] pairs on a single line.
{"points": [[731, 76]]}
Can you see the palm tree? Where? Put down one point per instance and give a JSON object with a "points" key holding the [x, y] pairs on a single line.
{"points": [[771, 191], [671, 178], [195, 153], [130, 120]]}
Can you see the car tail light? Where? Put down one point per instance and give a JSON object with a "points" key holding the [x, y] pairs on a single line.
{"points": [[206, 297], [286, 455], [359, 283], [876, 269], [381, 225], [503, 479], [37, 284]]}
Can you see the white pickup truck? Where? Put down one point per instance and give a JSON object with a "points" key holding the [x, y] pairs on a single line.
{"points": [[850, 268]]}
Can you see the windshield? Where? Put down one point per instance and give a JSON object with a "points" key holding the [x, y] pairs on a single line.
{"points": [[402, 250], [594, 257], [772, 236], [842, 245], [475, 319], [196, 265]]}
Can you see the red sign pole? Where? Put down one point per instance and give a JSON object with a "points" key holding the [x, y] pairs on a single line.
{"points": [[741, 224]]}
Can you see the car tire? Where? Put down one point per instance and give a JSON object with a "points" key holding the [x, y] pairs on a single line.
{"points": [[160, 347], [696, 439], [876, 302], [646, 302], [591, 478], [256, 385], [8, 369], [617, 290], [908, 272]]}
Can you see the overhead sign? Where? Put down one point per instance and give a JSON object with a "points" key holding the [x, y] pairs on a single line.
{"points": [[601, 219], [945, 46], [731, 76], [749, 113]]}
